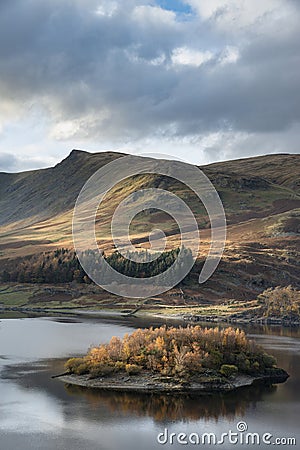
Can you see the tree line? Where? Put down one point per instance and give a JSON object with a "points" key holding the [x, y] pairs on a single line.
{"points": [[281, 302], [62, 265]]}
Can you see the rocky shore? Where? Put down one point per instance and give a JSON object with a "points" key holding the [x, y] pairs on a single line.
{"points": [[151, 383], [242, 319]]}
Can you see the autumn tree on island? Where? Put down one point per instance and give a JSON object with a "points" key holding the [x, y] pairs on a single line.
{"points": [[176, 352]]}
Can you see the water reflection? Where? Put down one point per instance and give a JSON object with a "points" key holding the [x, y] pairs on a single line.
{"points": [[40, 413], [170, 408]]}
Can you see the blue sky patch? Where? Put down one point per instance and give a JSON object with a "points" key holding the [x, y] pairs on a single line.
{"points": [[177, 6]]}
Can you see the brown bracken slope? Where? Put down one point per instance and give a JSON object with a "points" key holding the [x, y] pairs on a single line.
{"points": [[261, 197]]}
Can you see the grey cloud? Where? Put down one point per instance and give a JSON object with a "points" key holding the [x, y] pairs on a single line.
{"points": [[8, 162], [101, 71], [13, 162]]}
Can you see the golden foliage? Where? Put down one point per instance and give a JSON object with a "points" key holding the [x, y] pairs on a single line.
{"points": [[281, 302], [172, 351]]}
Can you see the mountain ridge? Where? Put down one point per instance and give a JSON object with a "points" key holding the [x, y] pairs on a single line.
{"points": [[21, 193], [260, 196]]}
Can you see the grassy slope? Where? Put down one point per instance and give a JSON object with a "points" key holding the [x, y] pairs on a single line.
{"points": [[260, 195]]}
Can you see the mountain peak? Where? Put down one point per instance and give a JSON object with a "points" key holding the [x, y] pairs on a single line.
{"points": [[74, 156], [76, 153]]}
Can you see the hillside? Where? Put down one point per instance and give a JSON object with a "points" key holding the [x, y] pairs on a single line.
{"points": [[30, 197], [261, 197]]}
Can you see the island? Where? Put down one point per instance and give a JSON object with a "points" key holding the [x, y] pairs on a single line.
{"points": [[175, 360]]}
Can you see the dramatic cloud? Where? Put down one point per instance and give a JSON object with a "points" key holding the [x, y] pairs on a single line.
{"points": [[7, 162], [217, 77]]}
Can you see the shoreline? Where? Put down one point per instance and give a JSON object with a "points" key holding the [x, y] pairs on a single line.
{"points": [[148, 314], [242, 320], [153, 384], [91, 301]]}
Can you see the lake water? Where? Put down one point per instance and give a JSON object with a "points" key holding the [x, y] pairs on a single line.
{"points": [[40, 413]]}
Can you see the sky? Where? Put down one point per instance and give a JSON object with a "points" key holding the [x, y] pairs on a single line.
{"points": [[203, 80]]}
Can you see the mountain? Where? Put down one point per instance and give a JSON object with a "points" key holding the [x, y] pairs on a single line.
{"points": [[35, 195], [261, 197]]}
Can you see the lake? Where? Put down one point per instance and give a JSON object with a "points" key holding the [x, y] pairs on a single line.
{"points": [[40, 413]]}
